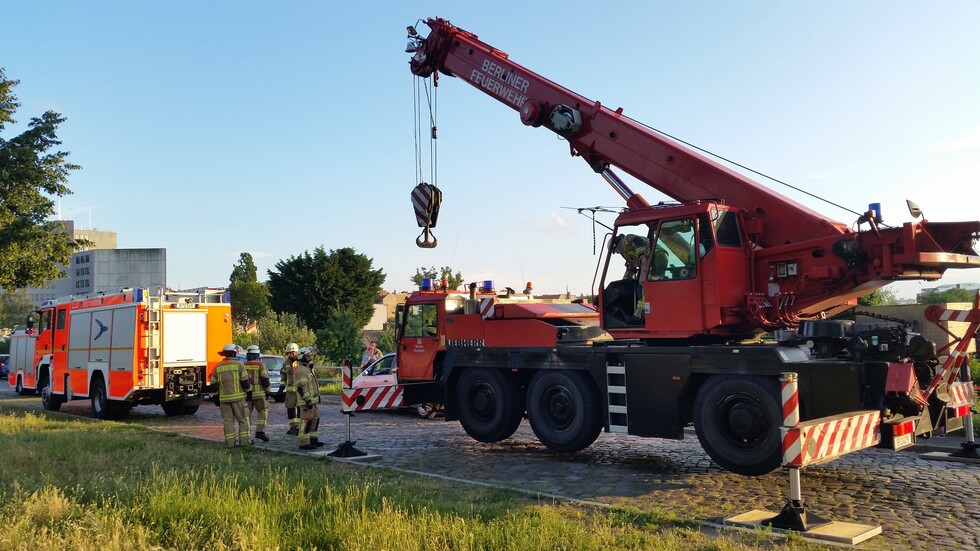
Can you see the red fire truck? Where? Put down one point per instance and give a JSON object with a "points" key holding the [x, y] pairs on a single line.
{"points": [[122, 349]]}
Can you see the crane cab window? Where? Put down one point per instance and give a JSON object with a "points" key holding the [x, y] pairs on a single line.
{"points": [[726, 229], [675, 253], [420, 320]]}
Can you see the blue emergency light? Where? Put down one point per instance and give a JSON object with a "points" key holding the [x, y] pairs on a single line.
{"points": [[488, 285], [426, 284], [876, 208]]}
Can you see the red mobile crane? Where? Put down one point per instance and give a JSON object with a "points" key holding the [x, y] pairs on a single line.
{"points": [[732, 259]]}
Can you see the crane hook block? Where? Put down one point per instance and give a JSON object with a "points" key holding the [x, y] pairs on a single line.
{"points": [[426, 199]]}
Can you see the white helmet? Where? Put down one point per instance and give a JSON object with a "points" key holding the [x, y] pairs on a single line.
{"points": [[229, 349], [292, 347], [253, 349]]}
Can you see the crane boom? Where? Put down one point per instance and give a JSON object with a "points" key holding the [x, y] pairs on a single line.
{"points": [[604, 137], [735, 256]]}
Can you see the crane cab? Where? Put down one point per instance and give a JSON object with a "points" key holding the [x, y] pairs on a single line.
{"points": [[676, 272]]}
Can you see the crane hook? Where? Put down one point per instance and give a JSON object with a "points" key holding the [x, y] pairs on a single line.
{"points": [[425, 243]]}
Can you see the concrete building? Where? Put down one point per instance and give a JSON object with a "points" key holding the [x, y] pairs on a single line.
{"points": [[103, 267]]}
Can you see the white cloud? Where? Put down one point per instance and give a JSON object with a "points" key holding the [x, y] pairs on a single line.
{"points": [[554, 222]]}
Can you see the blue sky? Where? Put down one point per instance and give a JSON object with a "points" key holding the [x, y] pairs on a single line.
{"points": [[214, 128]]}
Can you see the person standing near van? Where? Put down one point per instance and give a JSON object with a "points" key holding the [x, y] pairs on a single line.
{"points": [[371, 354]]}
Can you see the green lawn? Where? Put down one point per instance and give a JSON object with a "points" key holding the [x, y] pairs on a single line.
{"points": [[90, 485]]}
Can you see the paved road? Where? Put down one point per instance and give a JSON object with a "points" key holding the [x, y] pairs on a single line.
{"points": [[920, 504]]}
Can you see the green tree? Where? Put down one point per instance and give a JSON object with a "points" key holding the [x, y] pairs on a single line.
{"points": [[14, 307], [312, 286], [339, 337], [249, 298], [386, 339], [454, 280], [949, 295], [32, 248], [878, 297], [274, 331]]}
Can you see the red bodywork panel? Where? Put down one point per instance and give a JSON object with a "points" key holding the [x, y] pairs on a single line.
{"points": [[488, 322]]}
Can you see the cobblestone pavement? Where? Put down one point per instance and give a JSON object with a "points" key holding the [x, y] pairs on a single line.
{"points": [[920, 503]]}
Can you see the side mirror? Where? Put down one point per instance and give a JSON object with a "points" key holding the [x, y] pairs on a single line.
{"points": [[914, 209]]}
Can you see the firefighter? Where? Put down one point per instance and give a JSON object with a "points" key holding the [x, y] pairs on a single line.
{"points": [[308, 392], [233, 388], [633, 248], [258, 377], [288, 372]]}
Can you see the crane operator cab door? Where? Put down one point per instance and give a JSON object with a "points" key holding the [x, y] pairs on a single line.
{"points": [[685, 283]]}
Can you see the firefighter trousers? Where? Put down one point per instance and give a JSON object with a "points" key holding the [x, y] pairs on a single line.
{"points": [[233, 413], [291, 410], [310, 421], [261, 405]]}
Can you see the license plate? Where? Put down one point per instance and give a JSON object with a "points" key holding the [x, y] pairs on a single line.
{"points": [[902, 441]]}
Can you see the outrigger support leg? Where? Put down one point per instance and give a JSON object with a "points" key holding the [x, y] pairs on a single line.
{"points": [[794, 515], [347, 448]]}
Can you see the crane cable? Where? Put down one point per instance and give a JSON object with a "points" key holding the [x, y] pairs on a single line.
{"points": [[426, 197], [766, 176]]}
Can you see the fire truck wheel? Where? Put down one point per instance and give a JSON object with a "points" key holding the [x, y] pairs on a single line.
{"points": [[737, 420], [563, 409], [19, 388], [49, 401], [489, 404], [102, 406]]}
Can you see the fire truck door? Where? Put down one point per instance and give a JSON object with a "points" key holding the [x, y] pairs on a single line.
{"points": [[419, 342], [59, 351]]}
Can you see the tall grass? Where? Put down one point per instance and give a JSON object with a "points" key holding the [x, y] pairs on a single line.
{"points": [[71, 484]]}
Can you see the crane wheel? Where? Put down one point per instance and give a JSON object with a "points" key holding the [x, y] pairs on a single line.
{"points": [[489, 404], [563, 409], [737, 419]]}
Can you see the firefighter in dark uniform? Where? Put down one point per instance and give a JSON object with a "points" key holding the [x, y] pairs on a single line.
{"points": [[258, 377], [233, 390], [288, 372]]}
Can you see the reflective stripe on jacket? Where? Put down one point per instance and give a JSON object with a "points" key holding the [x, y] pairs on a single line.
{"points": [[229, 375], [256, 372], [306, 379]]}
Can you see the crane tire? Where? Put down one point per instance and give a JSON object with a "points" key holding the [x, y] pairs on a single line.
{"points": [[737, 420], [489, 404], [563, 410]]}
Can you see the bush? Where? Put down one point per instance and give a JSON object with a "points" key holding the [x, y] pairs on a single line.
{"points": [[975, 369]]}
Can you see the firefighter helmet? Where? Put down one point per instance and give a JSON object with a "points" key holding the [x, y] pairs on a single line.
{"points": [[253, 349], [229, 350], [292, 347]]}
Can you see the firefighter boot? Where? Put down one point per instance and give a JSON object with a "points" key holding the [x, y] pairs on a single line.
{"points": [[293, 431], [316, 443], [261, 436]]}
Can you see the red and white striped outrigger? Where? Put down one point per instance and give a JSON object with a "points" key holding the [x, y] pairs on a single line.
{"points": [[821, 440]]}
